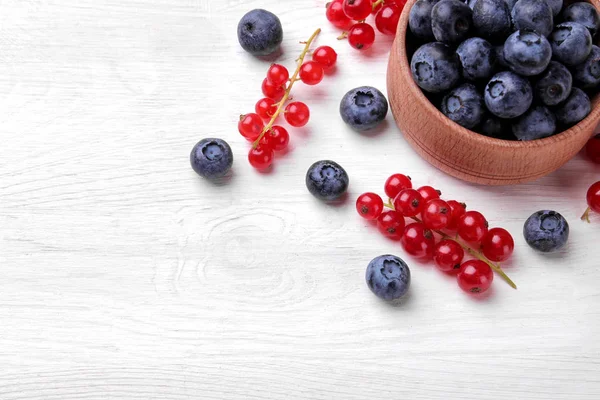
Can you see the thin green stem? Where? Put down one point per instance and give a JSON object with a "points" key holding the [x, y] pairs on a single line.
{"points": [[586, 215]]}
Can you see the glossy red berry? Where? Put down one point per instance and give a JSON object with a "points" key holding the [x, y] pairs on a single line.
{"points": [[357, 9], [593, 197], [271, 91], [336, 15], [418, 241], [457, 210], [311, 73], [448, 255], [369, 205], [472, 226], [436, 214], [250, 126], [387, 19], [325, 56], [260, 157], [278, 75], [265, 108], [391, 224], [592, 149], [395, 184], [429, 193], [277, 138], [408, 202], [497, 245], [297, 114], [397, 3], [361, 36], [475, 276]]}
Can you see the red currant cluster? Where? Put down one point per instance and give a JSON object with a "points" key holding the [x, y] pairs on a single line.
{"points": [[442, 218], [276, 87], [351, 15]]}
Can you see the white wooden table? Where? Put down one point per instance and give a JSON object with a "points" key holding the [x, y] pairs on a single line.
{"points": [[125, 277]]}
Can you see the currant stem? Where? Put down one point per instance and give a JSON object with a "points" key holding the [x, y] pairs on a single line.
{"points": [[343, 36], [288, 89], [377, 4], [586, 215]]}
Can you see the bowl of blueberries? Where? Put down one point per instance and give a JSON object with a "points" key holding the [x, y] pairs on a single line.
{"points": [[496, 91]]}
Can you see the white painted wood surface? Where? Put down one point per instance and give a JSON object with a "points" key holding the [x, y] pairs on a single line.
{"points": [[125, 277]]}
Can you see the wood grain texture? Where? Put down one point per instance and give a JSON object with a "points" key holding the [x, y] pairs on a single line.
{"points": [[124, 276]]}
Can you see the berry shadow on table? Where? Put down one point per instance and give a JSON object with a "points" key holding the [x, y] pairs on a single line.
{"points": [[271, 58]]}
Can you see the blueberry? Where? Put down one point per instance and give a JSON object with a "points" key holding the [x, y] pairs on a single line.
{"points": [[496, 128], [435, 67], [500, 60], [508, 95], [571, 43], [546, 231], [537, 123], [327, 180], [587, 74], [211, 158], [363, 108], [585, 14], [527, 53], [451, 21], [419, 19], [555, 6], [464, 105], [259, 32], [574, 109], [388, 277], [554, 85], [477, 57], [491, 19], [533, 15]]}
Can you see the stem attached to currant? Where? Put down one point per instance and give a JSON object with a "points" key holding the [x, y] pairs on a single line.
{"points": [[377, 4], [288, 90], [586, 215]]}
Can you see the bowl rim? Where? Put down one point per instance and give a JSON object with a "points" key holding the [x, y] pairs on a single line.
{"points": [[592, 118]]}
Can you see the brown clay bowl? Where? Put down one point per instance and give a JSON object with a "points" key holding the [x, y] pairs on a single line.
{"points": [[463, 153]]}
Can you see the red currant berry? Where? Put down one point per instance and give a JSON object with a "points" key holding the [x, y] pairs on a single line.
{"points": [[336, 15], [297, 114], [260, 157], [271, 91], [395, 184], [436, 214], [369, 205], [592, 149], [472, 226], [448, 255], [277, 138], [361, 36], [429, 193], [397, 3], [497, 245], [418, 241], [456, 211], [265, 108], [475, 276], [311, 73], [325, 56], [391, 224], [387, 19], [250, 126], [408, 202], [278, 75], [357, 9], [593, 197]]}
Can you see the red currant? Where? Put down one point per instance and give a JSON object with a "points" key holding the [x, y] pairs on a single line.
{"points": [[391, 224], [336, 15], [593, 149], [593, 197], [325, 56], [311, 73], [456, 211], [408, 202], [395, 184], [250, 126], [260, 157], [497, 245], [448, 255], [271, 91], [369, 205], [387, 19], [277, 138], [297, 114], [397, 3], [278, 75], [475, 276], [361, 36], [429, 193], [472, 226], [357, 9], [436, 214], [418, 241], [265, 108]]}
